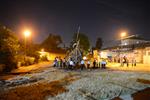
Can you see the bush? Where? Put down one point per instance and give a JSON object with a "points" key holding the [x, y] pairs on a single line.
{"points": [[9, 47], [44, 58]]}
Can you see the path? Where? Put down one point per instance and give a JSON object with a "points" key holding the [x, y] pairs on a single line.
{"points": [[26, 70]]}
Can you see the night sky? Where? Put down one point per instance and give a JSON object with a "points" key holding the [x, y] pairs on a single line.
{"points": [[97, 18]]}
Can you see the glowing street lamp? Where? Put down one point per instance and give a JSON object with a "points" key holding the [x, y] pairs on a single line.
{"points": [[26, 33], [123, 34]]}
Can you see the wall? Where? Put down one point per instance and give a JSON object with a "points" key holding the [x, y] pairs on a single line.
{"points": [[53, 55], [138, 55], [146, 57]]}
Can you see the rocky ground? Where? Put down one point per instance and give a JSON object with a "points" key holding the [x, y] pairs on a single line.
{"points": [[59, 84]]}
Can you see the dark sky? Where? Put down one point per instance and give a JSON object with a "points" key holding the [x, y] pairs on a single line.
{"points": [[97, 18]]}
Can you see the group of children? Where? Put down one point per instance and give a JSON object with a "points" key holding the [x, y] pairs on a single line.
{"points": [[59, 62], [62, 63]]}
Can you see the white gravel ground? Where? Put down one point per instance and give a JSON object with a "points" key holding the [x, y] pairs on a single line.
{"points": [[93, 85], [104, 85]]}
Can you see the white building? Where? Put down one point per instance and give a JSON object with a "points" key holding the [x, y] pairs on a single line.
{"points": [[133, 39], [133, 47]]}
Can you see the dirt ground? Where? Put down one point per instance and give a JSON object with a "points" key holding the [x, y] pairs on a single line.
{"points": [[60, 84], [38, 91]]}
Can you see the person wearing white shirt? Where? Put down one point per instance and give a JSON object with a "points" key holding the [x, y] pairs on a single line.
{"points": [[88, 64], [82, 64], [71, 64], [103, 63]]}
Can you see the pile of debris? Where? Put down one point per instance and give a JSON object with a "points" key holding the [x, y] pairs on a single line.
{"points": [[19, 81]]}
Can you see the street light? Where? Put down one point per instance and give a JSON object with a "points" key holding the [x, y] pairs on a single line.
{"points": [[27, 33], [123, 34]]}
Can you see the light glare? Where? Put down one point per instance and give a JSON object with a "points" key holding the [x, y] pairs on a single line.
{"points": [[27, 33], [123, 34]]}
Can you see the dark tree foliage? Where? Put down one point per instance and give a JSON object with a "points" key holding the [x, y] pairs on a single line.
{"points": [[99, 43], [51, 42], [84, 41], [9, 46]]}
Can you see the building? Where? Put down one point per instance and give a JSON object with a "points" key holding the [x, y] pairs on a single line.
{"points": [[133, 39], [146, 56], [132, 47]]}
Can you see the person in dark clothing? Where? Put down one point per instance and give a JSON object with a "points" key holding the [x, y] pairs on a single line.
{"points": [[61, 63], [127, 62], [64, 63], [94, 64], [124, 60], [134, 62]]}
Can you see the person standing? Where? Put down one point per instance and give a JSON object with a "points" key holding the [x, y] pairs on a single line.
{"points": [[82, 64], [134, 62], [61, 63], [127, 61], [99, 63], [55, 61], [124, 60], [88, 64], [71, 64], [103, 63], [64, 63], [94, 63]]}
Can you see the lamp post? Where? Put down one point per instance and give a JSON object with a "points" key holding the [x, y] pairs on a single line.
{"points": [[27, 33], [123, 34]]}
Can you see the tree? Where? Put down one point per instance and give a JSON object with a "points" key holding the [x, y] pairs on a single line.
{"points": [[84, 41], [51, 42], [99, 43], [9, 47]]}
